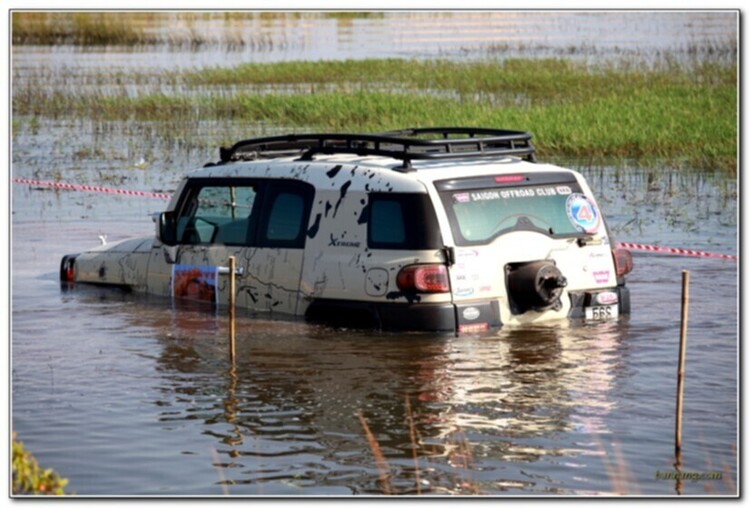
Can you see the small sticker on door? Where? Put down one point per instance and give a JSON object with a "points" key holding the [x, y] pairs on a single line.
{"points": [[195, 282]]}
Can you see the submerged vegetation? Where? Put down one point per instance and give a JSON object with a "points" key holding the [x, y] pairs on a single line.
{"points": [[683, 114]]}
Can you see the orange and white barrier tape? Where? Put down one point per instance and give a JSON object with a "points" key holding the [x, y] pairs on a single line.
{"points": [[675, 251], [90, 188]]}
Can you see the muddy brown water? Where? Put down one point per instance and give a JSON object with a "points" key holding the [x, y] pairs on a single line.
{"points": [[130, 395]]}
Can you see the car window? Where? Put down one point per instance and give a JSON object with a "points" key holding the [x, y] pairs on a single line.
{"points": [[285, 219], [387, 222], [286, 212], [557, 210], [401, 221], [217, 214], [249, 212]]}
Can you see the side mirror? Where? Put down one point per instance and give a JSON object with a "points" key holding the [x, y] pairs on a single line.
{"points": [[167, 228]]}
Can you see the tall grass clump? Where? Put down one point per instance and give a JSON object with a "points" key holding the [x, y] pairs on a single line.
{"points": [[685, 114], [77, 28], [177, 30]]}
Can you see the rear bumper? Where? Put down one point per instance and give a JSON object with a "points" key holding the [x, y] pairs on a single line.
{"points": [[433, 317], [428, 317], [437, 317]]}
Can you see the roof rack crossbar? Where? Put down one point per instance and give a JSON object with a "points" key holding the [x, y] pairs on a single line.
{"points": [[404, 145]]}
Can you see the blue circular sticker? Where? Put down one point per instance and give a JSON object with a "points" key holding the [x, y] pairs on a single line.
{"points": [[582, 213]]}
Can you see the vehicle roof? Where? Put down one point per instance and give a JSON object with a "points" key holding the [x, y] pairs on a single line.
{"points": [[371, 173]]}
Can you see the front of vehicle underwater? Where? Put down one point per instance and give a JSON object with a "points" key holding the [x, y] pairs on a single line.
{"points": [[122, 264]]}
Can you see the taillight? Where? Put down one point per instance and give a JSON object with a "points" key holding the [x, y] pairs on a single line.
{"points": [[623, 261], [424, 279], [510, 178], [67, 269]]}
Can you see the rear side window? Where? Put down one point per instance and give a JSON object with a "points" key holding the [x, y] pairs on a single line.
{"points": [[387, 223], [401, 222], [285, 220], [286, 212]]}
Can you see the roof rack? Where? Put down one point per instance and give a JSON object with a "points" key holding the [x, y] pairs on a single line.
{"points": [[404, 145]]}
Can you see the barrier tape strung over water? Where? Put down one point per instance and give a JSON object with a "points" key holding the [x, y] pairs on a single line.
{"points": [[90, 188], [676, 251], [108, 190]]}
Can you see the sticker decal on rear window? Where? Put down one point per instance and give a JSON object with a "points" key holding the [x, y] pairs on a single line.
{"points": [[582, 213], [478, 216]]}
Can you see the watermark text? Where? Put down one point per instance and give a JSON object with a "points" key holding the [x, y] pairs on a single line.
{"points": [[693, 476]]}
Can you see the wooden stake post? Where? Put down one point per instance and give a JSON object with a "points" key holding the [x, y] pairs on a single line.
{"points": [[232, 267], [681, 367]]}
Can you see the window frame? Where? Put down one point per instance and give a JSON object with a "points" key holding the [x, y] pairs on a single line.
{"points": [[266, 191]]}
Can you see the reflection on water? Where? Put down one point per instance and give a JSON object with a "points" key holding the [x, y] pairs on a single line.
{"points": [[287, 411]]}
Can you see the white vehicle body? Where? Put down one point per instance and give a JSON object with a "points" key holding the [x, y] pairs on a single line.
{"points": [[461, 243]]}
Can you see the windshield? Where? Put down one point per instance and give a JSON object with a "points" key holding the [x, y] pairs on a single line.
{"points": [[557, 210]]}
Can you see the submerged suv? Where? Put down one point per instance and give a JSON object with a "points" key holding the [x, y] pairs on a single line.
{"points": [[441, 229]]}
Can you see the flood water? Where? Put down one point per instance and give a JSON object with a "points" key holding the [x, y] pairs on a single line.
{"points": [[126, 395]]}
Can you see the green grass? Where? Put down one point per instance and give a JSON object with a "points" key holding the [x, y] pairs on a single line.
{"points": [[686, 115]]}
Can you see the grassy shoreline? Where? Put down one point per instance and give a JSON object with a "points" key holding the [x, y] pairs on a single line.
{"points": [[686, 115], [134, 28]]}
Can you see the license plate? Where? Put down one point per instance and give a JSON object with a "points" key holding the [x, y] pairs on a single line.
{"points": [[601, 312]]}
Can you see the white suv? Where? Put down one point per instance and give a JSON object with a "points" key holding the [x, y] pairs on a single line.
{"points": [[442, 229]]}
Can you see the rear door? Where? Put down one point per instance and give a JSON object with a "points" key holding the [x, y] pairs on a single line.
{"points": [[505, 222]]}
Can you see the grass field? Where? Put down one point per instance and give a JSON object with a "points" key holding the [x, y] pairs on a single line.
{"points": [[685, 115], [679, 110]]}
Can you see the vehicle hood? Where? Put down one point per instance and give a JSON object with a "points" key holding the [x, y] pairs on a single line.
{"points": [[127, 245]]}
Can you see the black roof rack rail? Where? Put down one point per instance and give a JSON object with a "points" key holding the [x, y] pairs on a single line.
{"points": [[405, 145]]}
